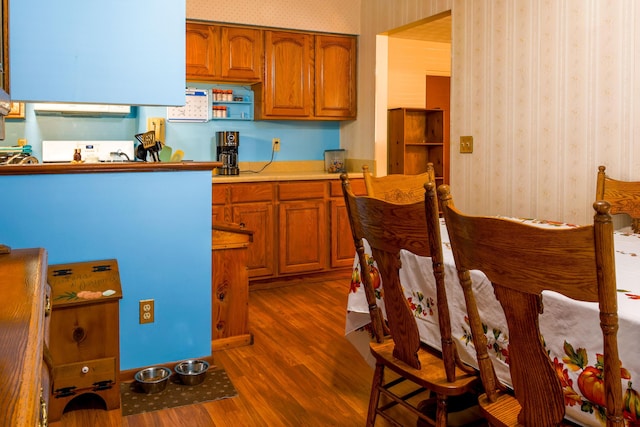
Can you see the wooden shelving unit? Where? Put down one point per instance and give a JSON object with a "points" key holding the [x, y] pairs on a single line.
{"points": [[416, 137]]}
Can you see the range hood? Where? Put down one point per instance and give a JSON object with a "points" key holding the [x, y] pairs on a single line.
{"points": [[90, 110]]}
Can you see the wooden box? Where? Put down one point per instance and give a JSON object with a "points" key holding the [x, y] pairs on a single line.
{"points": [[85, 338]]}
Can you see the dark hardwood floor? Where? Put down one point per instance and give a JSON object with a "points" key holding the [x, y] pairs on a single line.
{"points": [[300, 371]]}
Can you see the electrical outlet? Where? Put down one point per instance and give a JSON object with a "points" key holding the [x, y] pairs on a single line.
{"points": [[466, 144], [146, 311], [157, 125], [276, 144]]}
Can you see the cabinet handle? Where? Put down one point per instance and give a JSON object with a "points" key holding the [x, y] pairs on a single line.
{"points": [[47, 306], [44, 418]]}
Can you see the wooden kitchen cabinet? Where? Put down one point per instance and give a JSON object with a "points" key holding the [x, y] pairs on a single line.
{"points": [[202, 51], [335, 77], [416, 136], [342, 246], [302, 227], [286, 89], [307, 77], [24, 318], [223, 53], [252, 204]]}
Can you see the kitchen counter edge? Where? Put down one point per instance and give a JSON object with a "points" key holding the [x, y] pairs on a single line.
{"points": [[279, 176], [108, 167]]}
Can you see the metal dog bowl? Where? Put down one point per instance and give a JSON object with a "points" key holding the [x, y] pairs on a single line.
{"points": [[191, 372], [153, 379]]}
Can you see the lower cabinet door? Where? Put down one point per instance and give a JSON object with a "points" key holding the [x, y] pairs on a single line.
{"points": [[258, 217], [303, 236]]}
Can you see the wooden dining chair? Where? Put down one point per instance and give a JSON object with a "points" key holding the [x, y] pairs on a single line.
{"points": [[389, 228], [397, 188], [521, 261], [624, 196]]}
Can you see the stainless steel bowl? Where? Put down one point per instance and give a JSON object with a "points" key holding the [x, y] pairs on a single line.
{"points": [[191, 372], [153, 379]]}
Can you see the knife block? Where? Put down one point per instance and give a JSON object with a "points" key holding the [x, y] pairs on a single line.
{"points": [[84, 338]]}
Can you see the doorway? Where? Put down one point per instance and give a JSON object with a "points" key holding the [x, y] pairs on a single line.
{"points": [[405, 56]]}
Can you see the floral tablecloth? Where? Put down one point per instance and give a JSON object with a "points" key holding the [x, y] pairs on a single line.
{"points": [[570, 328]]}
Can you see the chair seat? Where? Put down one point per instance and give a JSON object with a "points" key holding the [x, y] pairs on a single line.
{"points": [[432, 372], [504, 411]]}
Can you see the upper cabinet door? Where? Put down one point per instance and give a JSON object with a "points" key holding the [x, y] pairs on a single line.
{"points": [[97, 52], [203, 51], [288, 78], [335, 76], [241, 57]]}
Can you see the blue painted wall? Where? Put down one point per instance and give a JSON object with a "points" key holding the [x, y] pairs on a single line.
{"points": [[300, 140], [158, 227], [112, 52]]}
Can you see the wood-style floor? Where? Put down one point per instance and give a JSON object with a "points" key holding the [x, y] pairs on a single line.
{"points": [[300, 371]]}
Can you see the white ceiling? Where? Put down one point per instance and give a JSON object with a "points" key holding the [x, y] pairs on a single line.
{"points": [[434, 30]]}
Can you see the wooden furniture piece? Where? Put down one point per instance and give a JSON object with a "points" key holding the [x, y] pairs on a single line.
{"points": [[24, 330], [624, 196], [85, 333], [223, 53], [389, 228], [335, 77], [522, 261], [300, 227], [416, 137], [438, 97], [302, 223], [230, 286], [398, 188], [307, 76]]}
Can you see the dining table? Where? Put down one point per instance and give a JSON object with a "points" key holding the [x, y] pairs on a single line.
{"points": [[570, 329]]}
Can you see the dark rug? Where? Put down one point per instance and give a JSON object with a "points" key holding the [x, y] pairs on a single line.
{"points": [[215, 386]]}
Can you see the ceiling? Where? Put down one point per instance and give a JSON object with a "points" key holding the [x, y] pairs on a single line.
{"points": [[438, 30]]}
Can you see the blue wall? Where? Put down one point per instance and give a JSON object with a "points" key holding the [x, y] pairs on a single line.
{"points": [[300, 140], [158, 227], [113, 52]]}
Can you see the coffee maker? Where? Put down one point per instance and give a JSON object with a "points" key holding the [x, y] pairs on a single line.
{"points": [[227, 143]]}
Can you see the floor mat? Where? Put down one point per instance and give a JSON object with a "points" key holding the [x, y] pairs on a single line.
{"points": [[216, 386]]}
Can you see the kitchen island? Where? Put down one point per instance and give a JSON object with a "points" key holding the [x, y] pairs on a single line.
{"points": [[154, 218]]}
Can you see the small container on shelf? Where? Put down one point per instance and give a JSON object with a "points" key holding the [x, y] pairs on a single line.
{"points": [[334, 161]]}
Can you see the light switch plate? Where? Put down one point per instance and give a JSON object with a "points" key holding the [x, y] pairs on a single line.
{"points": [[466, 144]]}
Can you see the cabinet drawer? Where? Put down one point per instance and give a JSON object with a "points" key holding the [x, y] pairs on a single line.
{"points": [[357, 186], [301, 190], [255, 192], [81, 375]]}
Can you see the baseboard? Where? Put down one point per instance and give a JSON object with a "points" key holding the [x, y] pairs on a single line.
{"points": [[278, 282]]}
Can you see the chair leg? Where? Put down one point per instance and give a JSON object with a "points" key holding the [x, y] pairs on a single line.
{"points": [[375, 394], [441, 411]]}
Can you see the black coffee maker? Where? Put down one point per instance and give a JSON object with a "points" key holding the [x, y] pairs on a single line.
{"points": [[227, 143]]}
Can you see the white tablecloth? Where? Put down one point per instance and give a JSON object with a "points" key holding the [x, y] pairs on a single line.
{"points": [[570, 328]]}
